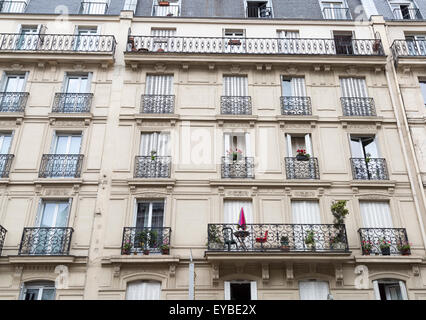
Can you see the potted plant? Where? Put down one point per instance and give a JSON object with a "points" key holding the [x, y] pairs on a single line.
{"points": [[336, 243], [131, 43], [235, 154], [339, 212], [404, 248], [310, 240], [376, 45], [170, 14], [284, 243], [153, 239], [160, 50], [165, 249], [302, 155], [385, 247], [153, 154], [367, 158], [366, 247], [142, 238], [127, 247], [215, 242]]}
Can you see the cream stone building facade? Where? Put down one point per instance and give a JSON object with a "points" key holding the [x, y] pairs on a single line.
{"points": [[135, 126]]}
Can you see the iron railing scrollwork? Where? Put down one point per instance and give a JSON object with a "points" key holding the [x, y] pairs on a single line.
{"points": [[336, 13], [297, 106], [2, 237], [152, 103], [13, 6], [369, 169], [272, 46], [46, 241], [407, 14], [278, 237], [236, 105], [152, 166], [358, 106], [409, 48], [296, 169], [136, 240], [5, 164], [373, 238], [72, 102], [57, 43], [93, 7], [240, 168], [61, 166], [13, 101]]}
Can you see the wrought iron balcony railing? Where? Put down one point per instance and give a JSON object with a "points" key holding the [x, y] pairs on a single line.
{"points": [[136, 240], [235, 105], [357, 106], [336, 13], [57, 43], [152, 167], [12, 6], [369, 169], [409, 48], [13, 101], [172, 10], [296, 106], [302, 169], [61, 166], [240, 168], [373, 240], [2, 237], [5, 164], [273, 46], [407, 14], [46, 241], [152, 103], [72, 102], [256, 12], [278, 237], [93, 8]]}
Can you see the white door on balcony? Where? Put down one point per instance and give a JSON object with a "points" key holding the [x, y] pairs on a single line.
{"points": [[85, 40], [363, 147], [163, 39], [231, 212], [353, 87], [150, 215], [5, 141], [235, 86], [313, 290], [237, 142], [155, 143], [143, 290], [159, 85], [234, 41], [297, 142], [11, 83], [403, 9], [288, 42], [94, 6], [64, 146], [171, 10], [53, 214], [293, 87], [75, 84], [416, 45], [67, 144], [28, 39], [305, 214]]}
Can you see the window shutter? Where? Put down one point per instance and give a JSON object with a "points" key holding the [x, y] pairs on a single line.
{"points": [[226, 143], [308, 144], [289, 146]]}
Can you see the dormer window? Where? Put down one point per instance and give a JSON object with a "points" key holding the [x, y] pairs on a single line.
{"points": [[258, 9], [335, 10], [404, 10], [169, 8]]}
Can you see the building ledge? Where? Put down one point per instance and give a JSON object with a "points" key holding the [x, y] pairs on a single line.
{"points": [[44, 181], [278, 256], [408, 60], [151, 181], [4, 180], [139, 259], [236, 117], [388, 259], [86, 116], [296, 118], [141, 117], [33, 259], [17, 116], [373, 183], [42, 58], [270, 183]]}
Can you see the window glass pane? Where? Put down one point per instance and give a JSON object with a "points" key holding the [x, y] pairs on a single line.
{"points": [[48, 294], [62, 218], [31, 294], [61, 145], [75, 145], [5, 143], [286, 87], [142, 215], [423, 88], [157, 214], [48, 215]]}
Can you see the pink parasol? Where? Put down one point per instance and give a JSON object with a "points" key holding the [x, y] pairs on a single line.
{"points": [[242, 220]]}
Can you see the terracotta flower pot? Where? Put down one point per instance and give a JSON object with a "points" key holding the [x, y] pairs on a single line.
{"points": [[165, 251], [146, 252]]}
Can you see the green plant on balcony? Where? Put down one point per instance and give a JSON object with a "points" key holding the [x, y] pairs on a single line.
{"points": [[285, 243], [385, 247], [310, 240], [366, 247], [404, 248], [127, 247], [153, 154], [215, 241], [339, 212]]}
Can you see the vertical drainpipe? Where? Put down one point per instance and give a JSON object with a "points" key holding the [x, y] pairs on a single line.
{"points": [[392, 70]]}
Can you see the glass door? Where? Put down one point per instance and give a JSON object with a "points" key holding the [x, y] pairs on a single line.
{"points": [[149, 224], [74, 85], [28, 39], [306, 217], [5, 140], [234, 41], [65, 146], [86, 40], [10, 100], [51, 237]]}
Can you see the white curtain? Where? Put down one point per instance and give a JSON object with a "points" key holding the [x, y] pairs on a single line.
{"points": [[143, 290], [375, 214], [353, 87], [232, 209], [292, 143], [298, 87], [159, 84], [163, 32], [155, 141], [239, 141], [288, 34], [313, 290], [235, 86]]}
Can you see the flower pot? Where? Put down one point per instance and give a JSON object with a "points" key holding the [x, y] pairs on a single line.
{"points": [[235, 156], [135, 253], [234, 42], [165, 251], [365, 252], [160, 50], [170, 15], [405, 252], [146, 252], [126, 252], [301, 157], [164, 3], [285, 248], [385, 251], [338, 246], [215, 246]]}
